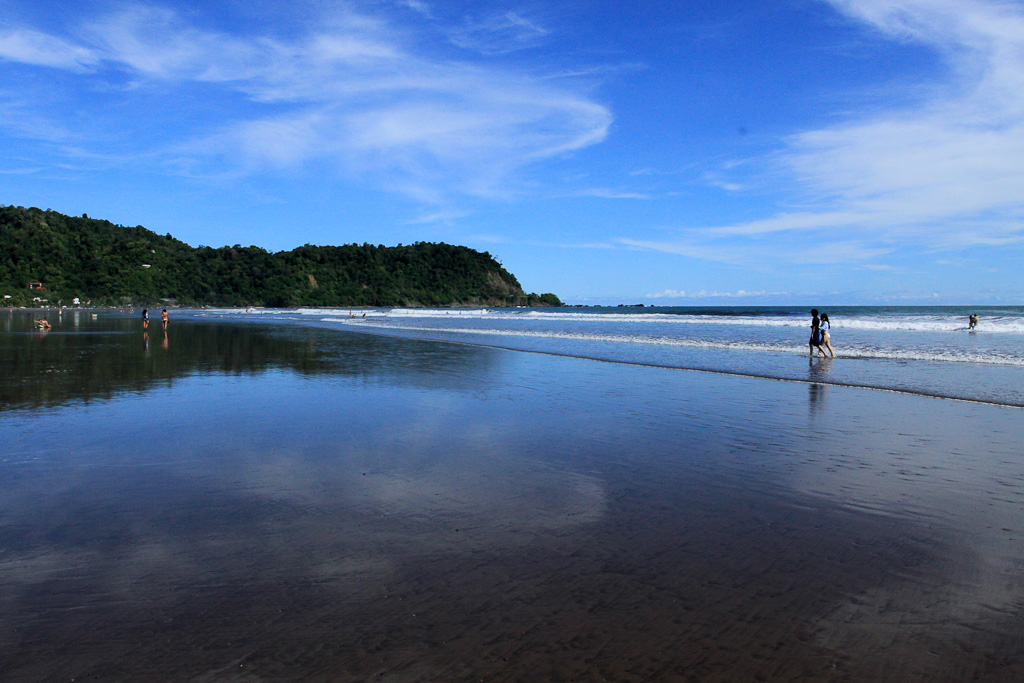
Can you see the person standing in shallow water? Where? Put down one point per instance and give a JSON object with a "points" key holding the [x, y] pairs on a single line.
{"points": [[163, 318], [826, 339], [815, 341], [145, 318]]}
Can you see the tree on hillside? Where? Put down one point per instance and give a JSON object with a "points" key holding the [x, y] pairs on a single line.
{"points": [[113, 264]]}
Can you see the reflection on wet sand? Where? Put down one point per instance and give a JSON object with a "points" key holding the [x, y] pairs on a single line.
{"points": [[967, 498], [817, 394], [415, 511], [92, 359]]}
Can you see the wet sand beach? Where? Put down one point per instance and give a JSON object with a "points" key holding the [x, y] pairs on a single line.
{"points": [[251, 503]]}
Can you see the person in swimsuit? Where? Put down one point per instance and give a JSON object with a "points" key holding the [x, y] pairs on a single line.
{"points": [[826, 338], [163, 318], [972, 321], [145, 318]]}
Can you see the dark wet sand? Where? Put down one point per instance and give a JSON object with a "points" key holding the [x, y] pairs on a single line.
{"points": [[674, 591], [672, 596], [548, 519]]}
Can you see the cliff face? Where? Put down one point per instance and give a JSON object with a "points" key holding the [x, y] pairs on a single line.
{"points": [[98, 261]]}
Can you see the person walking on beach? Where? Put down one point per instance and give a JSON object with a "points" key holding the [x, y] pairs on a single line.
{"points": [[145, 318], [972, 321], [163, 318], [826, 338], [815, 331]]}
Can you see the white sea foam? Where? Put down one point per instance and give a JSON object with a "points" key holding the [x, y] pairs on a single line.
{"points": [[999, 324], [937, 324], [883, 323], [900, 354]]}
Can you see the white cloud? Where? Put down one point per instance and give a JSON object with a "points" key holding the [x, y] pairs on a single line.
{"points": [[417, 6], [347, 91], [764, 253], [40, 49], [941, 174], [499, 34], [20, 171], [283, 141], [705, 294], [608, 193], [788, 222], [836, 252], [445, 216], [957, 157], [19, 118], [151, 41], [688, 248]]}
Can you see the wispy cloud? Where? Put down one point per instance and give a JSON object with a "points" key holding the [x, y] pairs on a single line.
{"points": [[32, 47], [764, 253], [608, 193], [446, 216], [417, 6], [955, 158], [500, 34], [789, 222], [688, 248], [20, 171], [940, 173], [706, 294], [346, 90], [19, 118], [520, 241]]}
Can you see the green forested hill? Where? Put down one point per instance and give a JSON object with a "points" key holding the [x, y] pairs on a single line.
{"points": [[109, 264]]}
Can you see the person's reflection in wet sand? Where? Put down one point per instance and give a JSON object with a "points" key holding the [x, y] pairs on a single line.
{"points": [[816, 395], [818, 372], [163, 342], [819, 368], [145, 342]]}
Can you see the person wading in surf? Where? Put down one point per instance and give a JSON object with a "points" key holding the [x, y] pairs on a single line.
{"points": [[815, 342], [826, 341]]}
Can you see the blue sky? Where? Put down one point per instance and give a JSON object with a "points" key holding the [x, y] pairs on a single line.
{"points": [[693, 152]]}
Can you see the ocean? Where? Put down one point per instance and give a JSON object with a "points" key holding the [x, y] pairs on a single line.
{"points": [[918, 349]]}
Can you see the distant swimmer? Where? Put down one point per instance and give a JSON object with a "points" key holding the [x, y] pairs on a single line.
{"points": [[972, 321], [43, 324], [826, 338]]}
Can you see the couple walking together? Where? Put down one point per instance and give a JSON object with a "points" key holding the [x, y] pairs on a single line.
{"points": [[820, 338]]}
